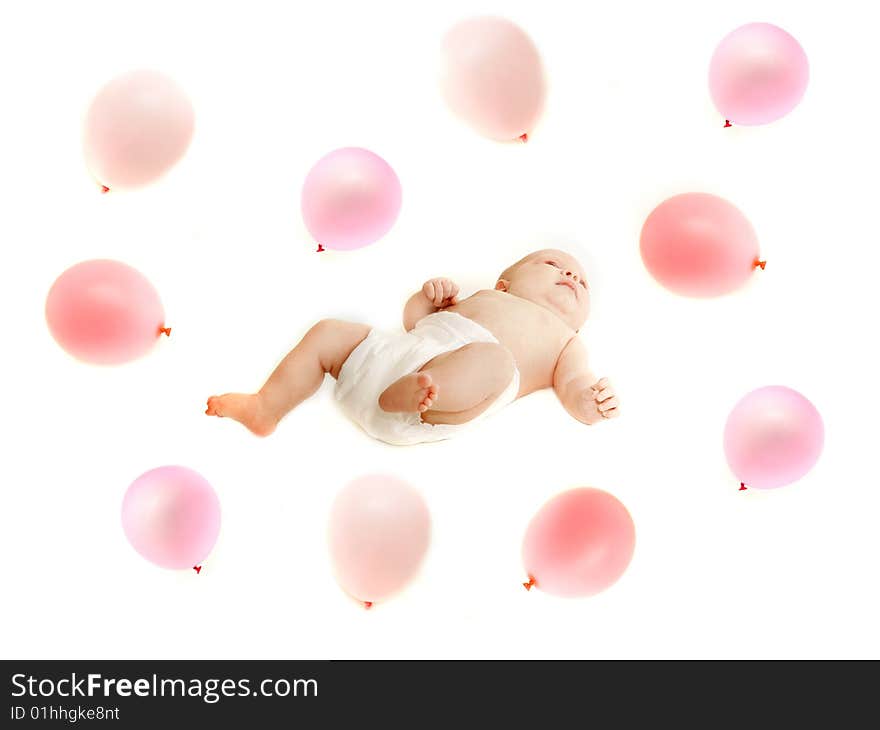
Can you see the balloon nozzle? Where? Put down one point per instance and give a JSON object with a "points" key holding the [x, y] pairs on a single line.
{"points": [[105, 189], [528, 586], [197, 568], [727, 123], [320, 248], [368, 604], [759, 262], [742, 486], [165, 331], [524, 137]]}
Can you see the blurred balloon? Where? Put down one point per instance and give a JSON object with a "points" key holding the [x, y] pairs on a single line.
{"points": [[773, 436], [138, 126], [171, 516], [758, 74], [104, 312], [493, 78], [699, 245], [379, 533], [579, 543], [350, 198]]}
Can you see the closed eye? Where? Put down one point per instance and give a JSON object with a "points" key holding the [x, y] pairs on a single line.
{"points": [[553, 263]]}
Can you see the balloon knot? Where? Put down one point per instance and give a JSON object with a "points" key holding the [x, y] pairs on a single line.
{"points": [[320, 248], [105, 189], [742, 486], [165, 331], [523, 137], [727, 123], [760, 263], [528, 586], [197, 568], [368, 604]]}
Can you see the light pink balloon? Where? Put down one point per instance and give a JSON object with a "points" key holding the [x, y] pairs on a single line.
{"points": [[758, 74], [379, 533], [350, 198], [138, 126], [104, 312], [171, 516], [773, 436], [699, 245], [579, 543], [493, 77]]}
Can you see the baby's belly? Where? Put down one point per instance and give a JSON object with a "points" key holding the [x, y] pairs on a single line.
{"points": [[535, 347]]}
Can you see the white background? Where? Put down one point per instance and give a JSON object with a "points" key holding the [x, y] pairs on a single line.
{"points": [[716, 573]]}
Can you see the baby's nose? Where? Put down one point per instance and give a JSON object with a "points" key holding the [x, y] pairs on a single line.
{"points": [[572, 275]]}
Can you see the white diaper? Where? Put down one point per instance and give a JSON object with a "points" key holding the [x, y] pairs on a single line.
{"points": [[384, 357]]}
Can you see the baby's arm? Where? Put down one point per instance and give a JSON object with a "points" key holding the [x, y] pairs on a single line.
{"points": [[435, 294], [587, 399]]}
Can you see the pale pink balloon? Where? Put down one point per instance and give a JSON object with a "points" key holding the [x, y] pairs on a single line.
{"points": [[493, 78], [773, 436], [579, 543], [171, 516], [758, 74], [104, 312], [699, 245], [350, 198], [138, 126], [379, 533]]}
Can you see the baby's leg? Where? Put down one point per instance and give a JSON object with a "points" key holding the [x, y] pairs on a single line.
{"points": [[324, 349], [453, 387]]}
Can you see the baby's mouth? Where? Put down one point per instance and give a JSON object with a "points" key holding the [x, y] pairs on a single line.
{"points": [[569, 284]]}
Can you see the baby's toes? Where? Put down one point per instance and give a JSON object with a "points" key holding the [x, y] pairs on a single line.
{"points": [[424, 380]]}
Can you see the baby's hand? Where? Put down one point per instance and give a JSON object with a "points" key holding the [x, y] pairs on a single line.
{"points": [[598, 402], [441, 292]]}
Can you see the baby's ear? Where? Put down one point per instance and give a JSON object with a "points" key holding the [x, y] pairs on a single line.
{"points": [[502, 285]]}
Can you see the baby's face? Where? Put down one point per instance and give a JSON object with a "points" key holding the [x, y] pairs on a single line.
{"points": [[552, 279]]}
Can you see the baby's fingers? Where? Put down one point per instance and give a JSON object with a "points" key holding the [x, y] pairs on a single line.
{"points": [[603, 395], [428, 290], [608, 405]]}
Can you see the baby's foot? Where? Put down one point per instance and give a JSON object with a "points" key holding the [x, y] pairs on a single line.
{"points": [[413, 393], [246, 408]]}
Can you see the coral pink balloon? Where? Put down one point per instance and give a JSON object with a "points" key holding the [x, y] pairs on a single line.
{"points": [[773, 436], [699, 245], [493, 77], [350, 198], [758, 74], [379, 533], [579, 543], [171, 516], [104, 312], [138, 126]]}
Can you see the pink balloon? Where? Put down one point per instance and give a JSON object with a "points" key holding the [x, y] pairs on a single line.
{"points": [[773, 437], [579, 543], [138, 126], [171, 516], [493, 77], [350, 198], [758, 74], [699, 245], [379, 533], [104, 312]]}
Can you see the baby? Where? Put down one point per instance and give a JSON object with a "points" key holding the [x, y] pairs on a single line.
{"points": [[457, 362]]}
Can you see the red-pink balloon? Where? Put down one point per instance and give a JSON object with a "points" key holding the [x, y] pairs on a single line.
{"points": [[171, 516], [104, 312], [350, 198], [579, 543], [773, 436], [758, 74], [138, 126], [699, 245], [379, 532], [493, 78]]}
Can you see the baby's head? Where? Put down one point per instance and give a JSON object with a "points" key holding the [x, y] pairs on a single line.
{"points": [[554, 280]]}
